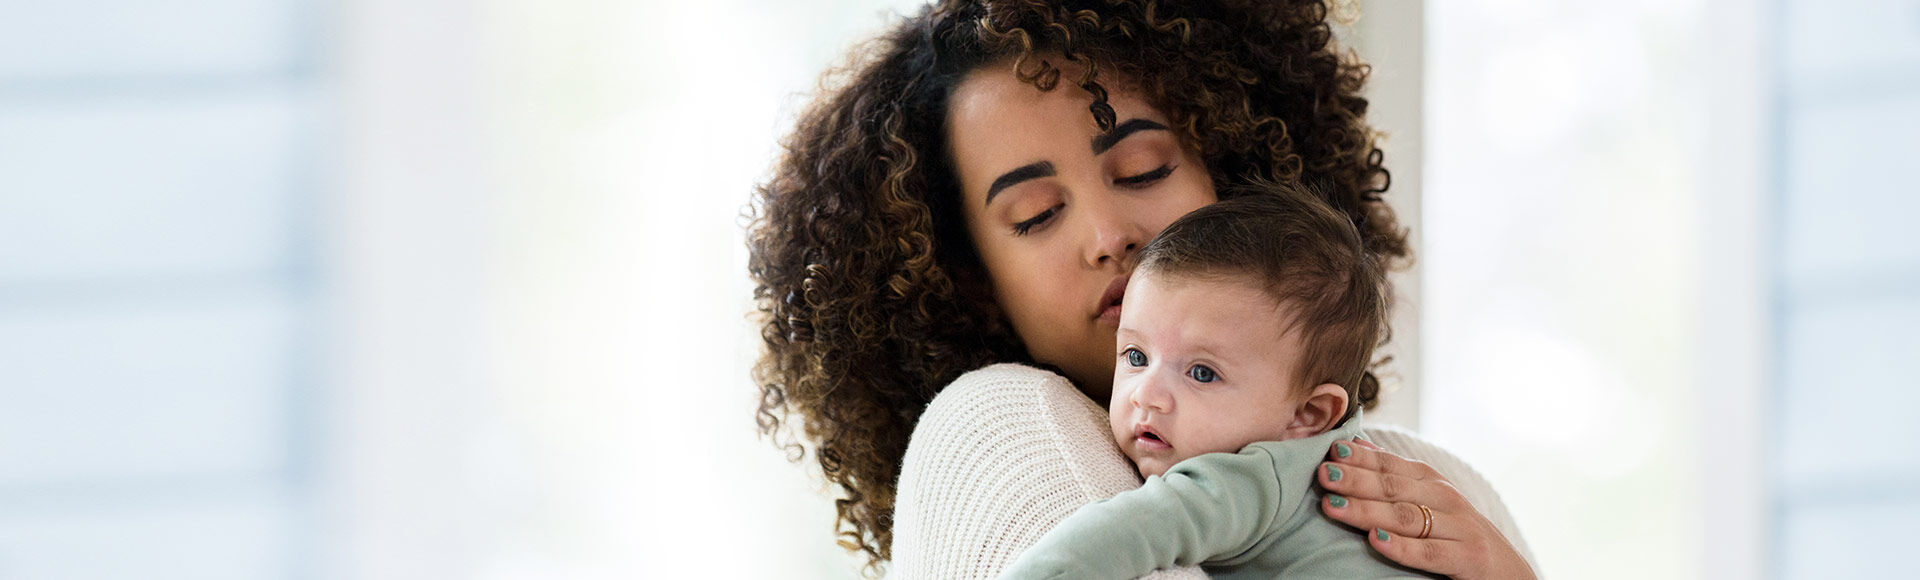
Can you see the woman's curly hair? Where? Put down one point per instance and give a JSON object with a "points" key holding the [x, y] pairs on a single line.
{"points": [[871, 293]]}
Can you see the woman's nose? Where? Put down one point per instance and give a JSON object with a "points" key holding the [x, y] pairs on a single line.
{"points": [[1115, 235]]}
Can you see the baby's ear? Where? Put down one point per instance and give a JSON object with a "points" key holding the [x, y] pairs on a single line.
{"points": [[1322, 410]]}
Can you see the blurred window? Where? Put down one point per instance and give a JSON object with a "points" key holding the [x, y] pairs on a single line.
{"points": [[156, 180], [1845, 457]]}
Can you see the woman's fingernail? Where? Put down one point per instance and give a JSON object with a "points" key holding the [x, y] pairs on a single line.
{"points": [[1336, 501], [1342, 450], [1379, 533], [1333, 473]]}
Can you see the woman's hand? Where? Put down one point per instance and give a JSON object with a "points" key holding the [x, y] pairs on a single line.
{"points": [[1382, 493]]}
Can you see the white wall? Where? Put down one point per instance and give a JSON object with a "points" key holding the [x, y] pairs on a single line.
{"points": [[411, 397], [1390, 36]]}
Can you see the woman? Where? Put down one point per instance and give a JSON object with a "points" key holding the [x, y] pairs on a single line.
{"points": [[973, 192]]}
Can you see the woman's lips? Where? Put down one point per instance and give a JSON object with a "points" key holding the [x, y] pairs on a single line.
{"points": [[1108, 308]]}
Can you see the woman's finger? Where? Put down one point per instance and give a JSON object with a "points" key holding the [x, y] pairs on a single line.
{"points": [[1380, 493], [1353, 453], [1444, 557], [1355, 481], [1461, 544], [1401, 518]]}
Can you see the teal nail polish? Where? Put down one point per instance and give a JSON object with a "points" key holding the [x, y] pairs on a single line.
{"points": [[1337, 501], [1379, 533], [1333, 473], [1342, 450]]}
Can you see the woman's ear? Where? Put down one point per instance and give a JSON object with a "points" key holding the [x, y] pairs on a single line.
{"points": [[1323, 408]]}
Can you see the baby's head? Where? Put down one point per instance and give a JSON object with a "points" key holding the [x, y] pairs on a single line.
{"points": [[1252, 319]]}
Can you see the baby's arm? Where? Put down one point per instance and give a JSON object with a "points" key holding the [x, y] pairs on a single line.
{"points": [[1211, 507], [1001, 456]]}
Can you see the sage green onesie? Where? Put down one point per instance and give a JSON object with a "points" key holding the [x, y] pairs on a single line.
{"points": [[1252, 514]]}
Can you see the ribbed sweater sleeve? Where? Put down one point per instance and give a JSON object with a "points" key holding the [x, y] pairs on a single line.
{"points": [[1001, 456]]}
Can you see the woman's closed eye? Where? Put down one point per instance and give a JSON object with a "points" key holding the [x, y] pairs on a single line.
{"points": [[1145, 179], [1027, 225], [1133, 181]]}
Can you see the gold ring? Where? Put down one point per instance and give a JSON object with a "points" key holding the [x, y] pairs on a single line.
{"points": [[1426, 526]]}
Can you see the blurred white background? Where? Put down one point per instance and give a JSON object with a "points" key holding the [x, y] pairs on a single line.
{"points": [[436, 289]]}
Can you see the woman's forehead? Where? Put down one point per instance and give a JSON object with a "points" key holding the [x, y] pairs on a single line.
{"points": [[996, 121], [994, 93]]}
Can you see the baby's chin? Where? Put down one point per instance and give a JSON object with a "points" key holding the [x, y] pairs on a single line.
{"points": [[1151, 466]]}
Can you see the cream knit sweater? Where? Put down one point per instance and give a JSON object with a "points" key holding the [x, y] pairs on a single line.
{"points": [[1007, 451]]}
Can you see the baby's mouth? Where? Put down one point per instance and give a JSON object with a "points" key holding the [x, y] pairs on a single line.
{"points": [[1150, 440]]}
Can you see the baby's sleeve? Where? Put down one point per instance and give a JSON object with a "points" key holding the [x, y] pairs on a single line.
{"points": [[1000, 457], [1216, 506]]}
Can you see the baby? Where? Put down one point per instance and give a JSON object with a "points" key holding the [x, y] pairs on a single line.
{"points": [[1247, 327]]}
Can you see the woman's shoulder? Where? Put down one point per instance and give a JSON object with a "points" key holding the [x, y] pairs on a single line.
{"points": [[1478, 491], [1000, 456], [1014, 411], [1409, 444], [1004, 381]]}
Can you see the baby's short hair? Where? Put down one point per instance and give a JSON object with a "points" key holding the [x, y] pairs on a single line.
{"points": [[1309, 259]]}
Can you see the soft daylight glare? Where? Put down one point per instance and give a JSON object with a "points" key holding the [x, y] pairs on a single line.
{"points": [[1557, 212], [635, 136]]}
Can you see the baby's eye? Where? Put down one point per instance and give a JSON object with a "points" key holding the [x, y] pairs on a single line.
{"points": [[1135, 357], [1202, 374]]}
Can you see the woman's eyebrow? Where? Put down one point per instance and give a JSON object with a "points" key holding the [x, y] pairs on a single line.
{"points": [[1105, 141], [1035, 170]]}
